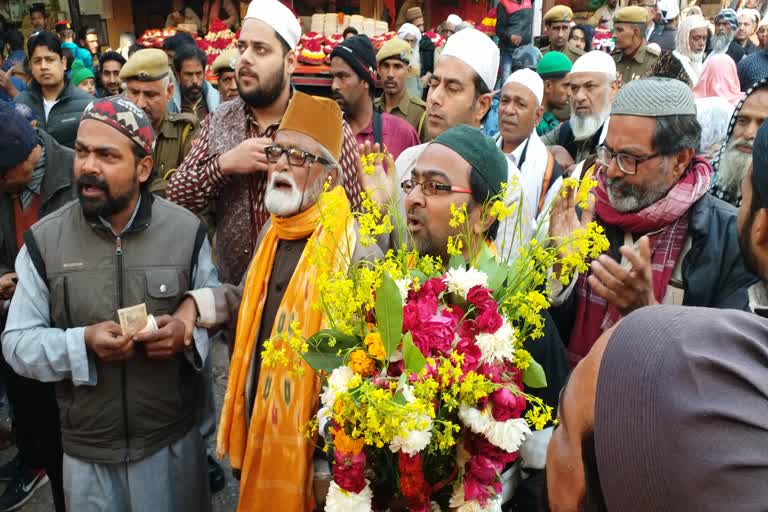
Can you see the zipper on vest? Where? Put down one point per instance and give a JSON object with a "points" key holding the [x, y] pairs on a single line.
{"points": [[119, 266]]}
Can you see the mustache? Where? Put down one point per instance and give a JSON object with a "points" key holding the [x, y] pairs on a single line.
{"points": [[89, 180], [741, 142]]}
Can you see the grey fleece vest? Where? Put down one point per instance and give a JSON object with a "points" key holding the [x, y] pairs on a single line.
{"points": [[140, 405]]}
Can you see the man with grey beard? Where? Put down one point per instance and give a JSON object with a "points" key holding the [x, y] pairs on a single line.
{"points": [[735, 158], [670, 241], [592, 81], [726, 24]]}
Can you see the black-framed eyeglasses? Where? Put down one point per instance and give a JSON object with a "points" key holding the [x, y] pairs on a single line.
{"points": [[431, 188], [627, 163], [296, 156]]}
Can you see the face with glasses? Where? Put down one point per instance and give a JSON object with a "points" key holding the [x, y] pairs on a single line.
{"points": [[297, 173], [440, 179], [636, 176]]}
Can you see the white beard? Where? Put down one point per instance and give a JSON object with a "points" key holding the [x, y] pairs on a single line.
{"points": [[585, 127], [733, 166], [721, 42], [697, 57], [288, 203]]}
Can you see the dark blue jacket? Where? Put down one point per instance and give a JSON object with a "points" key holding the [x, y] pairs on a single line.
{"points": [[519, 22]]}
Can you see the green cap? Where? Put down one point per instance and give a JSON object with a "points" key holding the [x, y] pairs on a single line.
{"points": [[80, 72], [554, 65], [479, 151], [148, 65]]}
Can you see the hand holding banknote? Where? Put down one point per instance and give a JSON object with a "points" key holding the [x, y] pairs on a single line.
{"points": [[166, 340], [108, 342]]}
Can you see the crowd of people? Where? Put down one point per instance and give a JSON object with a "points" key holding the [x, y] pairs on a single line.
{"points": [[132, 179]]}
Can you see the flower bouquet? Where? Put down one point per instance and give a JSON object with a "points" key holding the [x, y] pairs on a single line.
{"points": [[425, 370]]}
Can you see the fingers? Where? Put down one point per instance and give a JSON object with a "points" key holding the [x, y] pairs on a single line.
{"points": [[588, 214], [608, 272]]}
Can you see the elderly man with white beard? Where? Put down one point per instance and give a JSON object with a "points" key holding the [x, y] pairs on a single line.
{"points": [[690, 42], [303, 160], [726, 24], [593, 85], [735, 158], [670, 241]]}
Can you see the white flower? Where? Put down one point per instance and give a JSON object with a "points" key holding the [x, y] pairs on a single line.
{"points": [[497, 346], [403, 285], [323, 417], [477, 420], [337, 383], [508, 435], [460, 281], [458, 504], [414, 440], [339, 500], [395, 356]]}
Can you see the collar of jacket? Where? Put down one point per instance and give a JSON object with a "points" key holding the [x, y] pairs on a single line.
{"points": [[140, 221], [66, 92]]}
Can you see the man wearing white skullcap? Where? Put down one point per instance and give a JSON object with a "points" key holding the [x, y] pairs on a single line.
{"points": [[460, 92], [520, 111], [593, 86], [748, 20], [451, 23], [226, 166], [690, 45]]}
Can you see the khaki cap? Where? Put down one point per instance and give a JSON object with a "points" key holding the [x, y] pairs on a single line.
{"points": [[395, 47], [225, 61], [559, 13], [631, 14], [146, 65]]}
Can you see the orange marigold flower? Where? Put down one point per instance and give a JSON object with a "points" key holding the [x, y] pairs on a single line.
{"points": [[361, 363], [345, 444], [375, 346]]}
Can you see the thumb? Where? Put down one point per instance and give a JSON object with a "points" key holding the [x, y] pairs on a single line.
{"points": [[644, 248]]}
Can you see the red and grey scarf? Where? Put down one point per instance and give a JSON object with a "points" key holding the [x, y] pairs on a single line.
{"points": [[666, 222]]}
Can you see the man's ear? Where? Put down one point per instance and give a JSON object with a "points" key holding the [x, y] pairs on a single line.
{"points": [[759, 229], [169, 91], [482, 107], [539, 115], [144, 168], [291, 61], [681, 162], [479, 222]]}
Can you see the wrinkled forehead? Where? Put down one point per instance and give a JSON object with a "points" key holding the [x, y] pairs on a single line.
{"points": [[298, 140], [439, 161]]}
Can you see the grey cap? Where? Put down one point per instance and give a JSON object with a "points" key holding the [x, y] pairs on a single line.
{"points": [[654, 97]]}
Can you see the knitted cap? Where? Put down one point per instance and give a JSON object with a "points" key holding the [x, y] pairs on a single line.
{"points": [[319, 118], [125, 117], [654, 97], [479, 151], [80, 73], [18, 136], [358, 52], [554, 65]]}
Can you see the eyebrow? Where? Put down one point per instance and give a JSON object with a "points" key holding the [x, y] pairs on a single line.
{"points": [[100, 149], [430, 173], [638, 152]]}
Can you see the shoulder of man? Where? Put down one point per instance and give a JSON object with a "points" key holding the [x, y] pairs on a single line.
{"points": [[170, 208], [417, 101], [617, 55], [182, 118], [653, 51]]}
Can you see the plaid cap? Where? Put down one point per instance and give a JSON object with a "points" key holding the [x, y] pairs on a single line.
{"points": [[124, 116]]}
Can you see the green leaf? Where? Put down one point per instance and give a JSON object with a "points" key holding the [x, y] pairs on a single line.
{"points": [[534, 376], [399, 399], [343, 341], [457, 261], [389, 313], [323, 361], [490, 265], [412, 357]]}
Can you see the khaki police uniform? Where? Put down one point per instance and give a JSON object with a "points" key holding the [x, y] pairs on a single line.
{"points": [[174, 140], [411, 109], [637, 66], [571, 53]]}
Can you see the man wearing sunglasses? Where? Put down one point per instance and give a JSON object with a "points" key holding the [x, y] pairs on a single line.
{"points": [[671, 241]]}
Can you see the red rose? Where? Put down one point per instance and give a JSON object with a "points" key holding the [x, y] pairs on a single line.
{"points": [[434, 286], [348, 471], [478, 445], [414, 487], [506, 405], [479, 296], [418, 310], [434, 333], [489, 320], [471, 352]]}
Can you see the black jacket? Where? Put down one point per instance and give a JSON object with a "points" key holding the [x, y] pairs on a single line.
{"points": [[64, 117], [518, 23], [735, 51], [55, 191], [664, 36], [714, 275]]}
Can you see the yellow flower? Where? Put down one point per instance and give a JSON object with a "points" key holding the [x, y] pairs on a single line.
{"points": [[361, 363], [458, 216], [455, 245], [375, 346]]}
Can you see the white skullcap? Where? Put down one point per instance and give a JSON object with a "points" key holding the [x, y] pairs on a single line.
{"points": [[763, 22], [477, 51], [671, 9], [409, 29], [595, 61], [752, 13], [277, 16], [454, 20], [529, 79]]}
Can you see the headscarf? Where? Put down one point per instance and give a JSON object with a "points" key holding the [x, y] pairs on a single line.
{"points": [[719, 78], [409, 29], [728, 15], [689, 24]]}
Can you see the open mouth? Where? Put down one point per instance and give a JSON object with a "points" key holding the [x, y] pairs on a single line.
{"points": [[91, 191], [414, 224], [282, 184]]}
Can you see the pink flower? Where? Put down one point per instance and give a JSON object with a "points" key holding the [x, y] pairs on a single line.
{"points": [[348, 471], [434, 333], [471, 352], [479, 445], [506, 405], [434, 286], [418, 310], [489, 320]]}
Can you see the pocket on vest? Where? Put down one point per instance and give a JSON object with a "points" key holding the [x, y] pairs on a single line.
{"points": [[164, 289]]}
